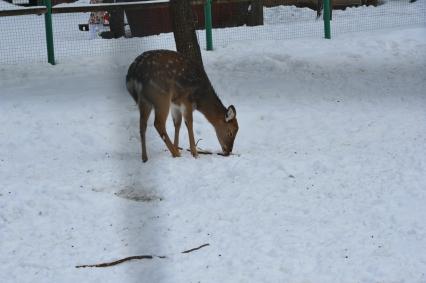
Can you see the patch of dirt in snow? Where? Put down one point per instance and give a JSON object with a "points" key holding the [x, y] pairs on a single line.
{"points": [[138, 194]]}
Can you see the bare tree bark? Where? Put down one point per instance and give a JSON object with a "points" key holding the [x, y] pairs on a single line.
{"points": [[183, 22], [256, 13]]}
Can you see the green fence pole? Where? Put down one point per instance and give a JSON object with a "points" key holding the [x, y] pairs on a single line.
{"points": [[327, 32], [208, 24], [49, 32]]}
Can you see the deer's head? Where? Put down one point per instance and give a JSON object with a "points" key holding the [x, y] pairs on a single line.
{"points": [[227, 129]]}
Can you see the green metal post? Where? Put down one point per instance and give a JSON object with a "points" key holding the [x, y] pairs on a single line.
{"points": [[49, 32], [327, 31], [208, 24]]}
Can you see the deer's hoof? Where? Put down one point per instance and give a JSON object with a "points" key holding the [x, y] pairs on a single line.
{"points": [[176, 154]]}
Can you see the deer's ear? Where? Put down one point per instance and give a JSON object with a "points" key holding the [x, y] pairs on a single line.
{"points": [[230, 114]]}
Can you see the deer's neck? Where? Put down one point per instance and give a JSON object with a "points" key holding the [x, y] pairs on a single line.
{"points": [[209, 104]]}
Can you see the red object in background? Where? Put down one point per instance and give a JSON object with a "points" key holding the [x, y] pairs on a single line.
{"points": [[106, 18]]}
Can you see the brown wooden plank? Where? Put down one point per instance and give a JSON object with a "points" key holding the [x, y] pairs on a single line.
{"points": [[129, 6], [104, 7], [21, 12], [108, 7]]}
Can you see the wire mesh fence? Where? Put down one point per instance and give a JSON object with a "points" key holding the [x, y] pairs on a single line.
{"points": [[70, 41], [388, 14], [23, 37]]}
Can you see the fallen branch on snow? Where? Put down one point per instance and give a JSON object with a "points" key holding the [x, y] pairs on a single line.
{"points": [[107, 264], [112, 263], [202, 151], [194, 249]]}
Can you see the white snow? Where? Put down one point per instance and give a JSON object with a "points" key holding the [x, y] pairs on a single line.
{"points": [[8, 6], [327, 183]]}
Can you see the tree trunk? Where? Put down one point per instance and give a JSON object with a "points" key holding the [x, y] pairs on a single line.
{"points": [[183, 23], [256, 13]]}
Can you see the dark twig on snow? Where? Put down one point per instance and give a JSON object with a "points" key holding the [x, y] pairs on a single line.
{"points": [[112, 263], [194, 249], [201, 151], [196, 144], [107, 264]]}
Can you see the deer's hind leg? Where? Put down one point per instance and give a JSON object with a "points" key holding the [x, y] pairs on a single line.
{"points": [[161, 113], [144, 109]]}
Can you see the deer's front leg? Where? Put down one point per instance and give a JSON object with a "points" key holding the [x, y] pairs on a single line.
{"points": [[188, 122], [160, 125], [177, 121]]}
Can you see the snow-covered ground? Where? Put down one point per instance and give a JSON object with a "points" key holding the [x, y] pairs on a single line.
{"points": [[327, 184]]}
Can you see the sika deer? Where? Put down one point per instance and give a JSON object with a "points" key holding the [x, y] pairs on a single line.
{"points": [[165, 80]]}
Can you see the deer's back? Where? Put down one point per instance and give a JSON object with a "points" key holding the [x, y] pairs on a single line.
{"points": [[163, 72]]}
